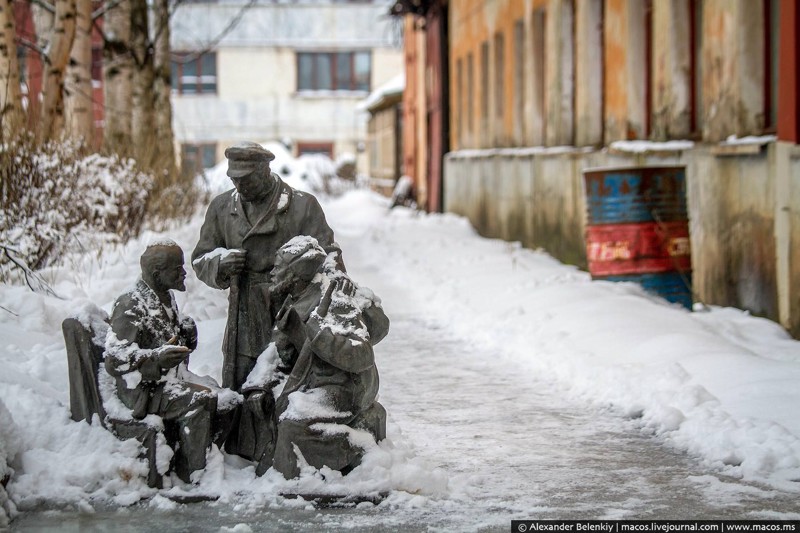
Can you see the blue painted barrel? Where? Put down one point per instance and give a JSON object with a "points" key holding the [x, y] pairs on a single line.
{"points": [[638, 229]]}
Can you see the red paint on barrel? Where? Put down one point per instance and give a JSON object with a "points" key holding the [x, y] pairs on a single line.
{"points": [[638, 248]]}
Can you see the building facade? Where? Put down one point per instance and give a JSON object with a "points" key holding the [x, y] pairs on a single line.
{"points": [[541, 90], [292, 71], [384, 133], [426, 102]]}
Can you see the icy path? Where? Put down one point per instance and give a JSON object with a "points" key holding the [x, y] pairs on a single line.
{"points": [[516, 448]]}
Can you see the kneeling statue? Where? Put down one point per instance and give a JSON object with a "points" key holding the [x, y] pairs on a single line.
{"points": [[324, 332]]}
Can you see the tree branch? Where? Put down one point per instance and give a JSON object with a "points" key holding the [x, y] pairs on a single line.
{"points": [[33, 46], [34, 280], [105, 9], [44, 5], [216, 40]]}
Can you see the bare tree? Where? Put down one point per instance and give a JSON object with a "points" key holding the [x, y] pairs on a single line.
{"points": [[57, 60], [117, 76], [143, 125], [78, 86], [162, 88], [10, 97]]}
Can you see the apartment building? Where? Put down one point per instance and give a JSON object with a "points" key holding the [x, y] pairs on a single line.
{"points": [[292, 71]]}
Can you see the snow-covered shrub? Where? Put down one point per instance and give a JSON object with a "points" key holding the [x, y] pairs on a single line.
{"points": [[321, 171], [51, 195]]}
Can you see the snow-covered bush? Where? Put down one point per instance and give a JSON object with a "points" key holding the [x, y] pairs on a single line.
{"points": [[332, 178], [51, 195]]}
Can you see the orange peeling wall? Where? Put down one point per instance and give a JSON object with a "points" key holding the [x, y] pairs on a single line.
{"points": [[616, 70], [473, 22]]}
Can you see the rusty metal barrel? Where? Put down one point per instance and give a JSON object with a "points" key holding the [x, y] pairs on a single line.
{"points": [[638, 229]]}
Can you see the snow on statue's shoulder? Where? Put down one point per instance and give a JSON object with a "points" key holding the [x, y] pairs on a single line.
{"points": [[283, 201]]}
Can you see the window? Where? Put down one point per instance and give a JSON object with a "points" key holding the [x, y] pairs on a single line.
{"points": [[196, 157], [648, 67], [519, 79], [587, 81], [193, 73], [539, 71], [484, 87], [771, 44], [470, 94], [460, 101], [695, 66], [333, 71], [499, 82], [315, 148]]}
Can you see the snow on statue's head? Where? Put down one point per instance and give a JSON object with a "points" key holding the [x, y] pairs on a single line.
{"points": [[162, 266], [300, 258], [246, 157]]}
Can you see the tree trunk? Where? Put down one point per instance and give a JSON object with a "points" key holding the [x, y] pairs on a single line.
{"points": [[78, 87], [57, 60], [10, 95], [143, 127], [162, 88], [44, 21], [118, 78]]}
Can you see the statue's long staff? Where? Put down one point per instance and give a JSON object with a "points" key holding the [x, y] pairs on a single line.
{"points": [[229, 354]]}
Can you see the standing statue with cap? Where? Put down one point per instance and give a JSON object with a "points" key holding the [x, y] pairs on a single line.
{"points": [[243, 229]]}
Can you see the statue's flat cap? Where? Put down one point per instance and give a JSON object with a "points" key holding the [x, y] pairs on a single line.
{"points": [[245, 157]]}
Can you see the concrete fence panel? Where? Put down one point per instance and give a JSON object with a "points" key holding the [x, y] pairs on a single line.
{"points": [[744, 222]]}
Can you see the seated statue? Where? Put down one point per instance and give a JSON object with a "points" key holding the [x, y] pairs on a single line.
{"points": [[147, 348], [323, 336]]}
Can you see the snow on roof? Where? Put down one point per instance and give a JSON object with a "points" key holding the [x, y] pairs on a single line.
{"points": [[520, 151], [392, 87], [651, 146], [750, 139]]}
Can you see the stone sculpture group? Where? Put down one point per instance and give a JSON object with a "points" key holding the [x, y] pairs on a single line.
{"points": [[299, 381]]}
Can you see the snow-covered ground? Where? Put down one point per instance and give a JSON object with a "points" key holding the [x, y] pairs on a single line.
{"points": [[718, 384]]}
